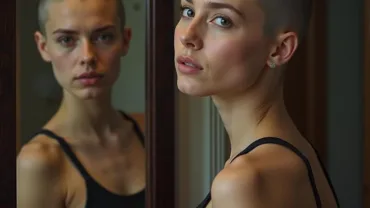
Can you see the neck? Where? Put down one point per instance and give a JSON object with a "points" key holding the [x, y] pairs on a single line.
{"points": [[258, 113], [92, 117]]}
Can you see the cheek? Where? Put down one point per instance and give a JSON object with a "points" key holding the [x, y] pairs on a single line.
{"points": [[62, 68], [109, 62], [177, 36], [226, 55], [62, 62], [110, 59], [234, 61]]}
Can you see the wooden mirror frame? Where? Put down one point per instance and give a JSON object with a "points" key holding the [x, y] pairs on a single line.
{"points": [[160, 104], [8, 104]]}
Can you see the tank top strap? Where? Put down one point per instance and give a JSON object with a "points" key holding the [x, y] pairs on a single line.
{"points": [[138, 132], [68, 151], [278, 141]]}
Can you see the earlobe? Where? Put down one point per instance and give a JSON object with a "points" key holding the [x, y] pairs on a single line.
{"points": [[41, 46]]}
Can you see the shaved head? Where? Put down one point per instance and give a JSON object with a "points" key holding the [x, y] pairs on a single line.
{"points": [[43, 14], [282, 15]]}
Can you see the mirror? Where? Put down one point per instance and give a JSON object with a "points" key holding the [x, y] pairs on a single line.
{"points": [[68, 74]]}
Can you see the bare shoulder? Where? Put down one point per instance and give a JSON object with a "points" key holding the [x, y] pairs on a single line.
{"points": [[40, 166], [263, 178], [41, 154]]}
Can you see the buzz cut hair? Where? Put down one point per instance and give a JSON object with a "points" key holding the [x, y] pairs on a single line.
{"points": [[292, 15], [43, 13]]}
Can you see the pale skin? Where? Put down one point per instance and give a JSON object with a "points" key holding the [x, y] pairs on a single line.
{"points": [[82, 36], [227, 40]]}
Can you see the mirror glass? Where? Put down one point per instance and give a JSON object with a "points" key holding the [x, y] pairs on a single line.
{"points": [[81, 103]]}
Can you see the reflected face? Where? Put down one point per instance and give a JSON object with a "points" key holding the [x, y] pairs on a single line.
{"points": [[84, 43], [220, 47]]}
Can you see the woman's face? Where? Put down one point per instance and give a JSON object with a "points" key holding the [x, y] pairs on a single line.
{"points": [[84, 38], [220, 46]]}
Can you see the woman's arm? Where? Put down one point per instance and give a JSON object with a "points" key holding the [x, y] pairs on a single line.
{"points": [[39, 173]]}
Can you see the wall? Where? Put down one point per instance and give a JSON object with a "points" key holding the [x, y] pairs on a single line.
{"points": [[39, 90], [345, 83], [193, 150]]}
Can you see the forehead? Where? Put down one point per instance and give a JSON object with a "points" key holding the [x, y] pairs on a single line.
{"points": [[75, 13], [246, 7]]}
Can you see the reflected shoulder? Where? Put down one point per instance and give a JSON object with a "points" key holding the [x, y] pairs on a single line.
{"points": [[40, 172], [40, 156]]}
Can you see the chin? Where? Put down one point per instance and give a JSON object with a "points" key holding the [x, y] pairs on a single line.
{"points": [[192, 89], [90, 93]]}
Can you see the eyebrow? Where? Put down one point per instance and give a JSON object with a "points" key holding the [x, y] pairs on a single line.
{"points": [[218, 5], [67, 31]]}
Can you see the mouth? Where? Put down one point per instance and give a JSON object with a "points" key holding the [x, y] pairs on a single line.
{"points": [[91, 78], [188, 65]]}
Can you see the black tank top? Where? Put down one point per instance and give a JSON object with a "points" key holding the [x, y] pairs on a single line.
{"points": [[97, 196], [274, 140]]}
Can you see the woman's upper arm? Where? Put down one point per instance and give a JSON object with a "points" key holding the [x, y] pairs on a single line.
{"points": [[38, 177]]}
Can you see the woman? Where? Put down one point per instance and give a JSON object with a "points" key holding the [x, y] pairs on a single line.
{"points": [[88, 154], [235, 52]]}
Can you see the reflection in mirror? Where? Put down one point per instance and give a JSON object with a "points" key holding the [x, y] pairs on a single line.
{"points": [[82, 103]]}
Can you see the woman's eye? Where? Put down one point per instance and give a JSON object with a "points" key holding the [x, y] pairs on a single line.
{"points": [[187, 12], [105, 37], [223, 22], [65, 40]]}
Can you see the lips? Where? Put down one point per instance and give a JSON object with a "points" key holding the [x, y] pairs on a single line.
{"points": [[189, 61], [88, 79], [188, 65], [90, 75]]}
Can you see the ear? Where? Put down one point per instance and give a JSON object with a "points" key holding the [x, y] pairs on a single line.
{"points": [[283, 50], [126, 39], [41, 46]]}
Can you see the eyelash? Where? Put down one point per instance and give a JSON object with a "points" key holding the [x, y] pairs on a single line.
{"points": [[183, 8], [61, 40], [110, 36]]}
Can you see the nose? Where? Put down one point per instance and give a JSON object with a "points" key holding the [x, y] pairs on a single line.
{"points": [[191, 38], [88, 54]]}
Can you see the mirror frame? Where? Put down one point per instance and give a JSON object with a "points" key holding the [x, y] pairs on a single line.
{"points": [[160, 104], [8, 104]]}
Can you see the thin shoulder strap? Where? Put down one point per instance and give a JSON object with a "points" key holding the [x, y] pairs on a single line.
{"points": [[68, 151], [327, 177], [274, 140], [136, 126]]}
